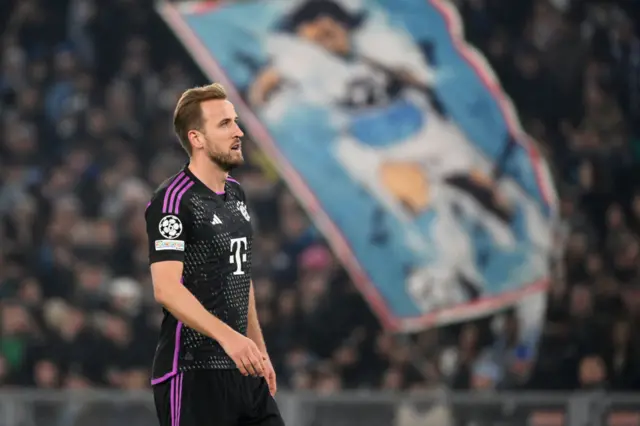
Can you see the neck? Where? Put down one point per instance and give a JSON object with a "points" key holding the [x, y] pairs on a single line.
{"points": [[209, 173]]}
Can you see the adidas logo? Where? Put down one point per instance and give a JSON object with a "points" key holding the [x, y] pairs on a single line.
{"points": [[216, 220]]}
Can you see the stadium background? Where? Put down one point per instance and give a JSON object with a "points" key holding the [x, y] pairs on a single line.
{"points": [[88, 88]]}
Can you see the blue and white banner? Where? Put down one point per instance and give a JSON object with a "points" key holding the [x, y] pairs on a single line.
{"points": [[396, 136]]}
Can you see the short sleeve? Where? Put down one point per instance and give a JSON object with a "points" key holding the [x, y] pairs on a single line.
{"points": [[167, 232]]}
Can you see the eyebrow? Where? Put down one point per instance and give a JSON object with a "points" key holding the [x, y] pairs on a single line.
{"points": [[227, 120]]}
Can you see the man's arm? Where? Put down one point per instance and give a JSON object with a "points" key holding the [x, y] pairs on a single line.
{"points": [[170, 293], [183, 305], [168, 232], [254, 332]]}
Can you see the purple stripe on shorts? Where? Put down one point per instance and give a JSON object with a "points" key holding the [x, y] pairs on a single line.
{"points": [[179, 397], [167, 193], [176, 192], [172, 402], [185, 189]]}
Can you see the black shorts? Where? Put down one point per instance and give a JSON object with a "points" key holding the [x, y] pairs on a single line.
{"points": [[215, 398]]}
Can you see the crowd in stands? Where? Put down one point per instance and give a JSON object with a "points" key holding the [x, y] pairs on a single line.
{"points": [[87, 91]]}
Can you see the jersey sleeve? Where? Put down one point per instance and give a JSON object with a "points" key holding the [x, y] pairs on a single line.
{"points": [[167, 231]]}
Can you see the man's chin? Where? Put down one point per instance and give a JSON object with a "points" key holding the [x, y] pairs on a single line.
{"points": [[229, 161], [236, 159]]}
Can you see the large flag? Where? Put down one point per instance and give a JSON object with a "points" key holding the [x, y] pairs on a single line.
{"points": [[397, 138]]}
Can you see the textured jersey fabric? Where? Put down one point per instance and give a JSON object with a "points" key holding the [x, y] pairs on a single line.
{"points": [[211, 234]]}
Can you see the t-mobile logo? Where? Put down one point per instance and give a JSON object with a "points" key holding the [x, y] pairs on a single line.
{"points": [[238, 254]]}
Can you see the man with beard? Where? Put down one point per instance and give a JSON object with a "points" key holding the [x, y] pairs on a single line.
{"points": [[211, 365]]}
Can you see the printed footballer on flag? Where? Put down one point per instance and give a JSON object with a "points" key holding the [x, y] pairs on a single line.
{"points": [[397, 138]]}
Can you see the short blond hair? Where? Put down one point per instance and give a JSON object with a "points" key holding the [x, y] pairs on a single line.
{"points": [[188, 113]]}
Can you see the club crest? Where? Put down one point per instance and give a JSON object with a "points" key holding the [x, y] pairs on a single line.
{"points": [[243, 209]]}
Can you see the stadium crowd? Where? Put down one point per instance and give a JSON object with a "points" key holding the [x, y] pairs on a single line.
{"points": [[87, 92]]}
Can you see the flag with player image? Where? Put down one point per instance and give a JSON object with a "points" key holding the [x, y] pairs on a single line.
{"points": [[398, 140]]}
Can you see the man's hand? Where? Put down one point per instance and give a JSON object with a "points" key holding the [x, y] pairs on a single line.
{"points": [[270, 376], [244, 352]]}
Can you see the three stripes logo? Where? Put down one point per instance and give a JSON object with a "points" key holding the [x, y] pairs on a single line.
{"points": [[216, 220], [175, 192]]}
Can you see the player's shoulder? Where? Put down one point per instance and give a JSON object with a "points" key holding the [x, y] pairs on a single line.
{"points": [[170, 198], [235, 187]]}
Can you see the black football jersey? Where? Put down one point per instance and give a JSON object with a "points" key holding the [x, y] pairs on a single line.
{"points": [[211, 234]]}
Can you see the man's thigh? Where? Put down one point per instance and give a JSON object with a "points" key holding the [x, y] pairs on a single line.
{"points": [[199, 398], [262, 409]]}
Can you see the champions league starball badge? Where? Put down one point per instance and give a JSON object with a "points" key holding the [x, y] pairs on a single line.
{"points": [[170, 227]]}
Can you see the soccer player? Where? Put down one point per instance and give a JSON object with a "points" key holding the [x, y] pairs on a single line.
{"points": [[211, 365]]}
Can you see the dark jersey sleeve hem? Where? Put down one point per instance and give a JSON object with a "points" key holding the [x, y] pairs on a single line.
{"points": [[179, 257]]}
